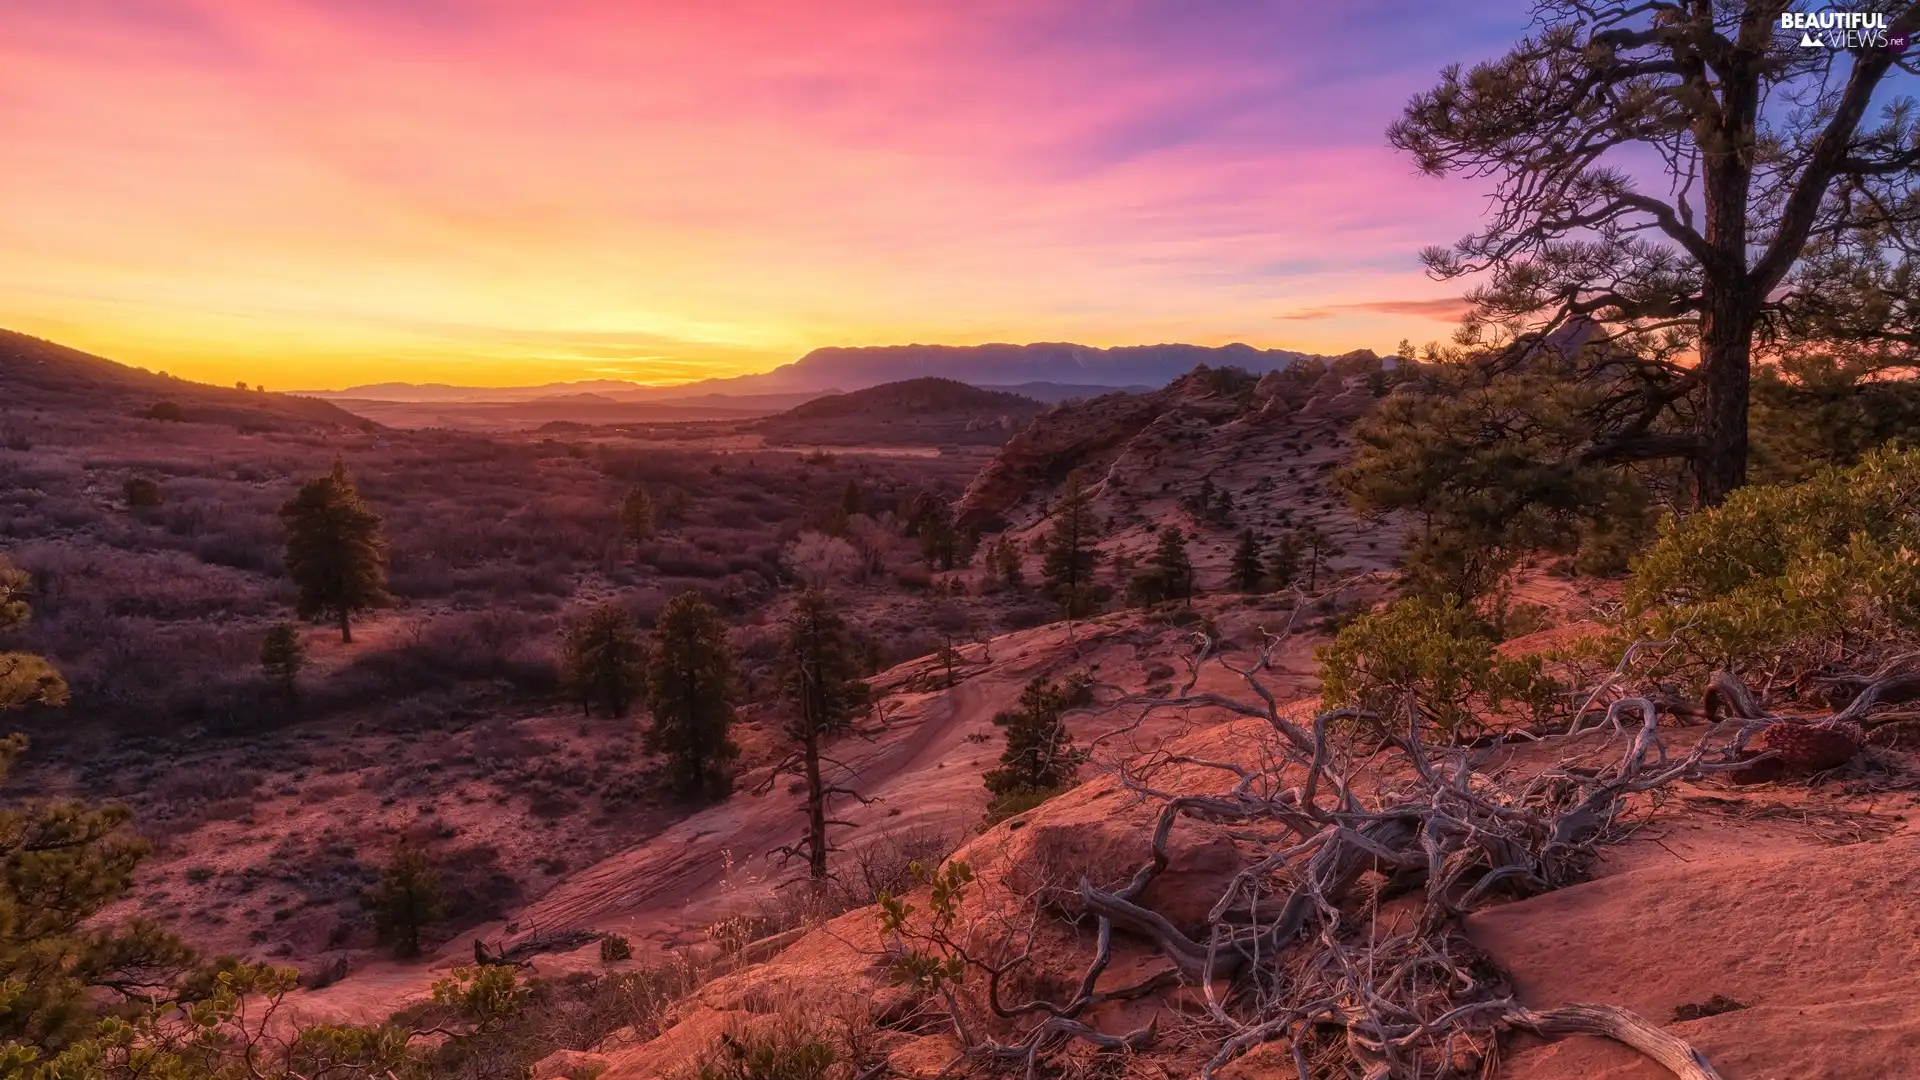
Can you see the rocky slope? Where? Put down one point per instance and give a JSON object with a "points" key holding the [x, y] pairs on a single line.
{"points": [[1766, 926], [925, 411], [1268, 443]]}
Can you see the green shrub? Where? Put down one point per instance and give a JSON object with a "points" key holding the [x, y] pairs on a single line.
{"points": [[615, 948], [1789, 569], [1439, 655], [794, 1048], [408, 900]]}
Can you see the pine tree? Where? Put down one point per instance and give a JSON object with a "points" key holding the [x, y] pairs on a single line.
{"points": [[1071, 557], [940, 543], [1283, 562], [603, 662], [1794, 241], [1245, 571], [1004, 563], [61, 864], [820, 678], [689, 690], [25, 679], [335, 552], [636, 515], [282, 657], [1319, 549], [1168, 574], [408, 900], [1040, 758]]}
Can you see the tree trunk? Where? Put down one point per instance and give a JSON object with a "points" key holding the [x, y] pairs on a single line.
{"points": [[1729, 303], [346, 630], [816, 811], [1726, 353]]}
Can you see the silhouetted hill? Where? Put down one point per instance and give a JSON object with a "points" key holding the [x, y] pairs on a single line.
{"points": [[924, 411], [910, 396], [36, 374]]}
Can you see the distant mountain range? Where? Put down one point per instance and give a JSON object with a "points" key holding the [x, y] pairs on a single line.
{"points": [[1047, 371]]}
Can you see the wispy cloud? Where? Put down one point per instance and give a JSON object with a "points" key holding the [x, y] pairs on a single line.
{"points": [[1445, 309]]}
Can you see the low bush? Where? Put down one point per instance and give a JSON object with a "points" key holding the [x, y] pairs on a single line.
{"points": [[1433, 656], [1786, 571]]}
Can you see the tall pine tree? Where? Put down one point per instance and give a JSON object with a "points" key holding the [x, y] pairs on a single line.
{"points": [[1168, 574], [603, 662], [689, 690], [1283, 562], [61, 864], [1070, 555], [820, 678], [1245, 572], [335, 552]]}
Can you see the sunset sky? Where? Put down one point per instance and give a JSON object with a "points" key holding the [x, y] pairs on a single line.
{"points": [[318, 193]]}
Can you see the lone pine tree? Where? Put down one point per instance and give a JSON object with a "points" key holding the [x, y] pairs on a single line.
{"points": [[1168, 574], [820, 679], [1070, 556], [1040, 757], [1244, 572], [335, 552], [603, 662], [1802, 232], [408, 900], [689, 690]]}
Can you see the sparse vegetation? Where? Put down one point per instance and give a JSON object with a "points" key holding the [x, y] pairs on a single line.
{"points": [[409, 900], [1040, 759], [1435, 658], [690, 692], [282, 657], [1070, 554], [141, 492], [603, 662], [1168, 574], [1246, 573], [335, 551], [1787, 573], [636, 515], [820, 679]]}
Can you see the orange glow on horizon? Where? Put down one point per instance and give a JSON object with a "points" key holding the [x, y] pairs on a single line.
{"points": [[316, 195]]}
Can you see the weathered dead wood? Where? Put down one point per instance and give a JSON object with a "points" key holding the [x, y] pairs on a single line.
{"points": [[1670, 1052]]}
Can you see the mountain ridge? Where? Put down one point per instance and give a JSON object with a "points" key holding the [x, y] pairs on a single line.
{"points": [[1022, 369]]}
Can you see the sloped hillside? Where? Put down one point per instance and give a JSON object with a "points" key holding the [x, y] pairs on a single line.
{"points": [[926, 411], [1257, 451], [39, 375]]}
